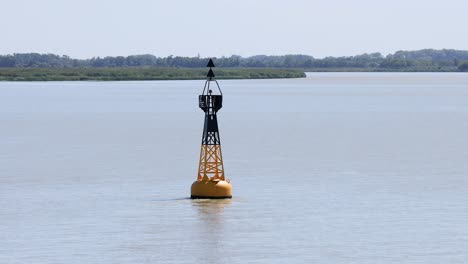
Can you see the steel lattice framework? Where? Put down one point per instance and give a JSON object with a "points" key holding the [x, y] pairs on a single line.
{"points": [[211, 160]]}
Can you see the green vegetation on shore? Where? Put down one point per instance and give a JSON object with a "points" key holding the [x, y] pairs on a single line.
{"points": [[51, 67], [427, 60], [140, 73]]}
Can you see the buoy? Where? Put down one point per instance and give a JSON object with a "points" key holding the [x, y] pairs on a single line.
{"points": [[211, 182]]}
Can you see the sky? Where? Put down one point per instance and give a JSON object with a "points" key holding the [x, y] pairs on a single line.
{"points": [[91, 28]]}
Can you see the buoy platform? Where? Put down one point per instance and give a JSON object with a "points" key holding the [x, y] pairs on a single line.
{"points": [[211, 189]]}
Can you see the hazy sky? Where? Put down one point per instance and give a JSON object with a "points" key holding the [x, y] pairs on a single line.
{"points": [[87, 28]]}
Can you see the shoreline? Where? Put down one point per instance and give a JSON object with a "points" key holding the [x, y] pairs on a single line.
{"points": [[141, 74], [171, 74]]}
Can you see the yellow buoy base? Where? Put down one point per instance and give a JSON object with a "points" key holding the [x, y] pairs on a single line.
{"points": [[211, 189]]}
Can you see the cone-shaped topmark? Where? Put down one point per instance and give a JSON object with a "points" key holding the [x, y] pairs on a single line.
{"points": [[210, 64], [210, 74]]}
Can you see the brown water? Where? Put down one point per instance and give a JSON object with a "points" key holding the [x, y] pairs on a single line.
{"points": [[333, 168]]}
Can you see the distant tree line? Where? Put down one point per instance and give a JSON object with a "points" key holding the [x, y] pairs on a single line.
{"points": [[421, 60]]}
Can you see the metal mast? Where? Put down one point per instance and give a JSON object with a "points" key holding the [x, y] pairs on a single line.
{"points": [[211, 161]]}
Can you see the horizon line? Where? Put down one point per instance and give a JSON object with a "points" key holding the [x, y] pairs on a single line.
{"points": [[228, 56]]}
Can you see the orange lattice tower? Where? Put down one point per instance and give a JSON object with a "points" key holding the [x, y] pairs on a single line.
{"points": [[211, 182]]}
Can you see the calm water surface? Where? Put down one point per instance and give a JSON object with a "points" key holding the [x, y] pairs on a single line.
{"points": [[333, 168]]}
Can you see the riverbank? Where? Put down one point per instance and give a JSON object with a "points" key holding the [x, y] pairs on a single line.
{"points": [[141, 73]]}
